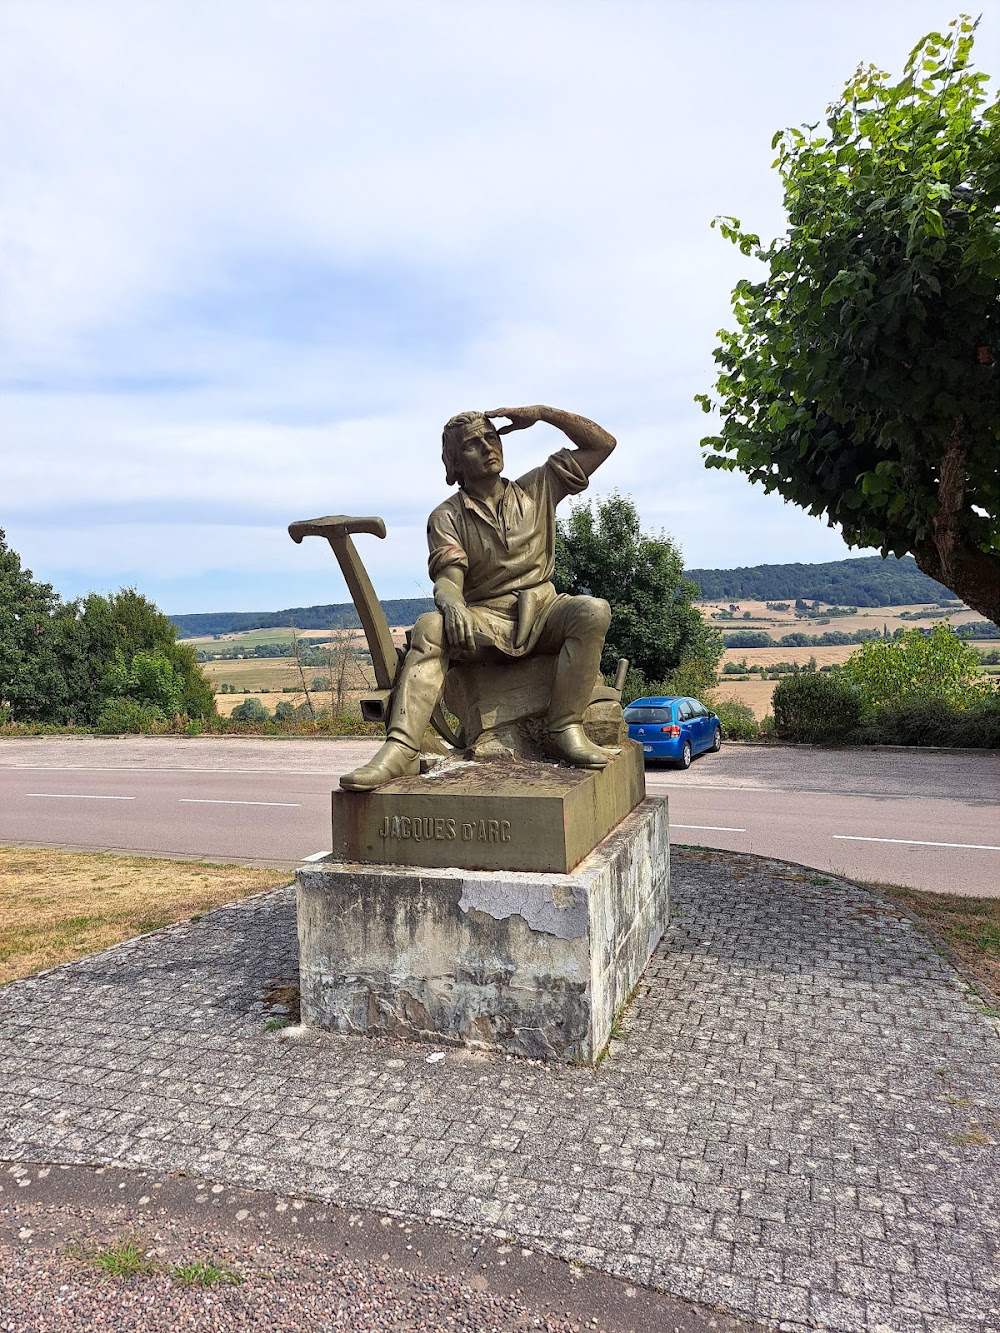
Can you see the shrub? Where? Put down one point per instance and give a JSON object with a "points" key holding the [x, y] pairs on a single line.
{"points": [[127, 715], [979, 726], [250, 710], [738, 721], [922, 721], [694, 677], [815, 708], [917, 665]]}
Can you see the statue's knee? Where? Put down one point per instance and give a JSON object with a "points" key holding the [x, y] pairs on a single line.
{"points": [[591, 615], [428, 632], [603, 613]]}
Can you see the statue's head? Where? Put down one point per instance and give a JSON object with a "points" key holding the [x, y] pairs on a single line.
{"points": [[456, 431]]}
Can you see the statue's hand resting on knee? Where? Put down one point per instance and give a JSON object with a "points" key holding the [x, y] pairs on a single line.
{"points": [[459, 630]]}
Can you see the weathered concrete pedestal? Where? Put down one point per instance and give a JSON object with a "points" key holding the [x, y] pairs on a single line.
{"points": [[532, 962]]}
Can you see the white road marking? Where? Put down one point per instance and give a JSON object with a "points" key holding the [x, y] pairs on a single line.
{"points": [[709, 828], [316, 856], [73, 796], [913, 842], [199, 800]]}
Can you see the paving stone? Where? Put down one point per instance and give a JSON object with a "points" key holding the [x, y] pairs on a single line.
{"points": [[772, 1136]]}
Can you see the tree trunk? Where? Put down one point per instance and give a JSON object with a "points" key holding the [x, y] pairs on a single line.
{"points": [[945, 554], [971, 574]]}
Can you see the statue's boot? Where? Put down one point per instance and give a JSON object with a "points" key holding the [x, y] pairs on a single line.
{"points": [[394, 760], [418, 689], [577, 668], [573, 746]]}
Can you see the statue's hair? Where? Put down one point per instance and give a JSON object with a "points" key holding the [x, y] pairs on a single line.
{"points": [[451, 440]]}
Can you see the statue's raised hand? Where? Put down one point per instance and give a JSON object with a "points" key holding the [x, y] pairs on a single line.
{"points": [[520, 417]]}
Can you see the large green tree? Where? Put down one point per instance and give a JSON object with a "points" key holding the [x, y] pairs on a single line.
{"points": [[31, 678], [602, 550], [861, 382], [123, 646], [64, 662]]}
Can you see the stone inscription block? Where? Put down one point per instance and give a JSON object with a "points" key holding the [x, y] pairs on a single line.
{"points": [[496, 814], [534, 964]]}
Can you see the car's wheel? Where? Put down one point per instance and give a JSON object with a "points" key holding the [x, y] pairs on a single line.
{"points": [[685, 759], [717, 740]]}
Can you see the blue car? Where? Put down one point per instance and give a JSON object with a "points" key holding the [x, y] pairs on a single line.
{"points": [[673, 728]]}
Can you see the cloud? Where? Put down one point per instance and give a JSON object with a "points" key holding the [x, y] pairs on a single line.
{"points": [[254, 253]]}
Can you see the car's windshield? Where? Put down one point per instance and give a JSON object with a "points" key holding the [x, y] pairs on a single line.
{"points": [[647, 714]]}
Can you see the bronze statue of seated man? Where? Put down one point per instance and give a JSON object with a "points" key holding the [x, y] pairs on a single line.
{"points": [[492, 555]]}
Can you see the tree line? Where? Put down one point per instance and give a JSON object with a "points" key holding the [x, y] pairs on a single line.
{"points": [[754, 638], [864, 581], [861, 581], [339, 615]]}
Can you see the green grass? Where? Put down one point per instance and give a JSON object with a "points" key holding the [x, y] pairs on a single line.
{"points": [[250, 638], [128, 1257], [204, 1274]]}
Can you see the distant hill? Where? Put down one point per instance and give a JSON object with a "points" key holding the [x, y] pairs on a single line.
{"points": [[342, 615], [865, 581]]}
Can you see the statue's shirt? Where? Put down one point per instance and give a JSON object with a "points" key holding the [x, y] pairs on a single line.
{"points": [[508, 558]]}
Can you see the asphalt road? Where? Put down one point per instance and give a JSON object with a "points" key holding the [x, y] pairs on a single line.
{"points": [[927, 819]]}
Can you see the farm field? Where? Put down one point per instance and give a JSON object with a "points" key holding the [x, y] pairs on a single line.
{"points": [[225, 703], [257, 673], [276, 679], [755, 692], [248, 640], [272, 681], [835, 654], [777, 623], [253, 638]]}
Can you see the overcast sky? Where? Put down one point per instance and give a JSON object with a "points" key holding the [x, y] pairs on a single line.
{"points": [[253, 253]]}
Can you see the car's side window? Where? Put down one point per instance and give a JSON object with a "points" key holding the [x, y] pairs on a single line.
{"points": [[684, 713], [699, 710]]}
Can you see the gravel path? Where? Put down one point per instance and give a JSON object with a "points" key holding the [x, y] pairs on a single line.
{"points": [[801, 1126], [43, 1291], [291, 1263]]}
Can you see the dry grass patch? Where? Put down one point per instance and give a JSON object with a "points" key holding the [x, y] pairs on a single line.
{"points": [[832, 655], [756, 693], [267, 675], [258, 673], [321, 699], [970, 927], [57, 906], [225, 703]]}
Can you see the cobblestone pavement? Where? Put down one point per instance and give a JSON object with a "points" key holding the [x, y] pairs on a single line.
{"points": [[801, 1125]]}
